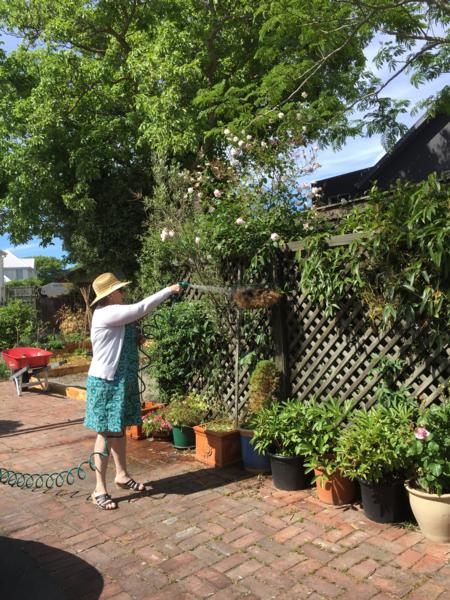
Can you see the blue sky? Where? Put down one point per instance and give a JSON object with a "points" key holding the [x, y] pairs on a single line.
{"points": [[357, 153]]}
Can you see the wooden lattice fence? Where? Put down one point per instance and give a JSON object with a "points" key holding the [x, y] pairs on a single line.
{"points": [[338, 356]]}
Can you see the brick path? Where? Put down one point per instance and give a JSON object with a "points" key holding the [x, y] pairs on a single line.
{"points": [[199, 533]]}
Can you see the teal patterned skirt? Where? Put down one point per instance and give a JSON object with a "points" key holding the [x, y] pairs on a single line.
{"points": [[112, 405]]}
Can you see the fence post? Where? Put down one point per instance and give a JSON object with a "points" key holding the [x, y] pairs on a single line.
{"points": [[279, 333]]}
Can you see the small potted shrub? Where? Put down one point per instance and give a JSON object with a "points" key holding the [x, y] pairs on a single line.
{"points": [[279, 430], [263, 390], [429, 485], [155, 425], [217, 442], [318, 446], [183, 412], [373, 449]]}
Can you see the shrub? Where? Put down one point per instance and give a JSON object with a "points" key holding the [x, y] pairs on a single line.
{"points": [[18, 322], [187, 341], [186, 411], [375, 444], [430, 449], [71, 321]]}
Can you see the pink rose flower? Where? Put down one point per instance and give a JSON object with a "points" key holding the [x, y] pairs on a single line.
{"points": [[420, 433]]}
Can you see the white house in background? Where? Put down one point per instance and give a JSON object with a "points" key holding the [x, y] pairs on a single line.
{"points": [[17, 268], [2, 280]]}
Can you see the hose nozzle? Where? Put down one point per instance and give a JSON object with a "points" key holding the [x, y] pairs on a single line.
{"points": [[184, 284]]}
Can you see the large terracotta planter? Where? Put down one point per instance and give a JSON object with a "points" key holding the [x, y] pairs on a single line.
{"points": [[135, 431], [336, 489], [432, 513], [217, 448]]}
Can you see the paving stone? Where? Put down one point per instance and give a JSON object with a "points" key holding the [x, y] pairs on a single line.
{"points": [[197, 532]]}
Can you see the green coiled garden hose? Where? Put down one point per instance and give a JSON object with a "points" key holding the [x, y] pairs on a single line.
{"points": [[50, 480]]}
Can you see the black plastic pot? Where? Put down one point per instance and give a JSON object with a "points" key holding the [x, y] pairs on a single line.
{"points": [[385, 502], [288, 472]]}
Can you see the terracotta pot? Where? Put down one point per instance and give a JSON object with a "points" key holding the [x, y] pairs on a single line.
{"points": [[432, 513], [217, 448], [336, 489], [135, 431]]}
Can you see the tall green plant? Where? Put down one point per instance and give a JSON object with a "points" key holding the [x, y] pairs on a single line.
{"points": [[18, 323], [186, 344]]}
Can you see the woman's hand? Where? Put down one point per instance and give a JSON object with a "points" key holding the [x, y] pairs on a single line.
{"points": [[176, 288]]}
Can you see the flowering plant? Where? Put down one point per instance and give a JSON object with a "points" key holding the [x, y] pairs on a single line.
{"points": [[430, 449], [155, 423]]}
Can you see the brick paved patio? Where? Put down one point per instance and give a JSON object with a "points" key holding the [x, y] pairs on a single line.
{"points": [[198, 533]]}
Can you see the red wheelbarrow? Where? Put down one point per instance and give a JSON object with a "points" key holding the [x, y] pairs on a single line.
{"points": [[26, 363]]}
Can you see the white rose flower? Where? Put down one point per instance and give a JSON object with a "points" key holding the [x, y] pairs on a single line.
{"points": [[280, 115], [217, 193], [306, 226], [240, 221], [171, 232], [235, 138], [197, 240], [190, 190], [241, 143], [274, 237], [263, 144], [304, 95], [249, 137], [226, 131]]}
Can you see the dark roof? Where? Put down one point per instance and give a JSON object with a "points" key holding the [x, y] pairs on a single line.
{"points": [[425, 148]]}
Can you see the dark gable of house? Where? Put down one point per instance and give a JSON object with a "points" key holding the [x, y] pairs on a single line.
{"points": [[424, 149]]}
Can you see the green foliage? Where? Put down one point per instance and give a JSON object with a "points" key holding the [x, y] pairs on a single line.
{"points": [[4, 370], [32, 282], [186, 342], [49, 268], [429, 449], [279, 428], [18, 324], [219, 424], [96, 87], [375, 444], [405, 273], [186, 411], [320, 439]]}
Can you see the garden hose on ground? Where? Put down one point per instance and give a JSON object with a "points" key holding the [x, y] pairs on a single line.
{"points": [[50, 480]]}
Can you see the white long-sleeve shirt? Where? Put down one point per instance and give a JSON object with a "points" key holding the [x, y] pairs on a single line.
{"points": [[108, 330]]}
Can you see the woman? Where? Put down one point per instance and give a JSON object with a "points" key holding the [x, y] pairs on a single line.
{"points": [[112, 384]]}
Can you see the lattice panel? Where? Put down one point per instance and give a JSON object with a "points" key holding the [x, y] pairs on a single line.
{"points": [[336, 355]]}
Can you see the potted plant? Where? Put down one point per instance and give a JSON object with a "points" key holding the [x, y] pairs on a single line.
{"points": [[183, 412], [318, 447], [278, 430], [217, 442], [429, 485], [136, 432], [155, 425], [263, 389], [373, 449]]}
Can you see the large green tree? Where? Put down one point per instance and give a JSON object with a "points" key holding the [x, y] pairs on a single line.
{"points": [[96, 87]]}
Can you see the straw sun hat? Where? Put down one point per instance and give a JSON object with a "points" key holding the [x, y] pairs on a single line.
{"points": [[105, 284]]}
